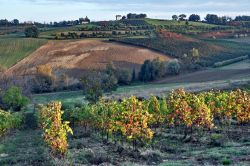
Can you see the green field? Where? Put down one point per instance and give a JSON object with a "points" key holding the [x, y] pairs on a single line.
{"points": [[14, 49], [73, 97]]}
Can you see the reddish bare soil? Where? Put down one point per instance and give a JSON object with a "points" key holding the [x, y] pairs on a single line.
{"points": [[224, 34], [78, 56], [175, 36]]}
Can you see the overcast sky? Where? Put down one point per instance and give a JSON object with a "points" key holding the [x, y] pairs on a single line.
{"points": [[57, 10]]}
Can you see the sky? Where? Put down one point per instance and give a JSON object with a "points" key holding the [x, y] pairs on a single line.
{"points": [[96, 10]]}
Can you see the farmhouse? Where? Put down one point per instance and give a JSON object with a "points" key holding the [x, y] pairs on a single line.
{"points": [[85, 20]]}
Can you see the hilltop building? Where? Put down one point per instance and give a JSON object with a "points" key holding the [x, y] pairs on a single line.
{"points": [[118, 17], [85, 20]]}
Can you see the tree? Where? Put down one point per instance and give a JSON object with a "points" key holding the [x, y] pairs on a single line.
{"points": [[175, 17], [15, 22], [14, 99], [124, 76], [92, 86], [110, 69], [110, 80], [195, 55], [87, 19], [194, 17], [152, 70], [131, 16], [242, 18], [31, 31], [182, 17], [224, 19], [145, 72], [4, 22], [212, 19], [142, 15], [173, 67], [96, 83], [158, 69], [134, 74], [136, 16]]}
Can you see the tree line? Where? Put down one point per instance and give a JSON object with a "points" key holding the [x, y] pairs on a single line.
{"points": [[210, 18], [16, 22]]}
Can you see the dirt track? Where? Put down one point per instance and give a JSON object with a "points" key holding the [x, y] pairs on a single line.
{"points": [[207, 75]]}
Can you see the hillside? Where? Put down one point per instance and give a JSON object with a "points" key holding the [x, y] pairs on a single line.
{"points": [[75, 57], [13, 50]]}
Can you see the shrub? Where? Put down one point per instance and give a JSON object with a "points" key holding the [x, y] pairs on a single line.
{"points": [[31, 31], [230, 61], [189, 110], [216, 139], [92, 86], [152, 70], [9, 121], [82, 116], [134, 120], [173, 67], [44, 80], [42, 84], [2, 69], [96, 83], [54, 129], [14, 99], [145, 72], [124, 76], [226, 161]]}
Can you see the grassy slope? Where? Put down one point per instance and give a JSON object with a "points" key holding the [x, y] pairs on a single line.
{"points": [[65, 97], [176, 23], [13, 50], [24, 148], [235, 48]]}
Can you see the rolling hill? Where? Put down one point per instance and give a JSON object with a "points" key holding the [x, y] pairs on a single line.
{"points": [[74, 58]]}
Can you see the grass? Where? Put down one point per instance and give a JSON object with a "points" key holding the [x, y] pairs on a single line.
{"points": [[65, 97], [235, 47], [14, 49], [183, 27], [49, 32], [75, 97], [24, 148], [125, 89], [145, 90], [177, 23], [240, 40]]}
